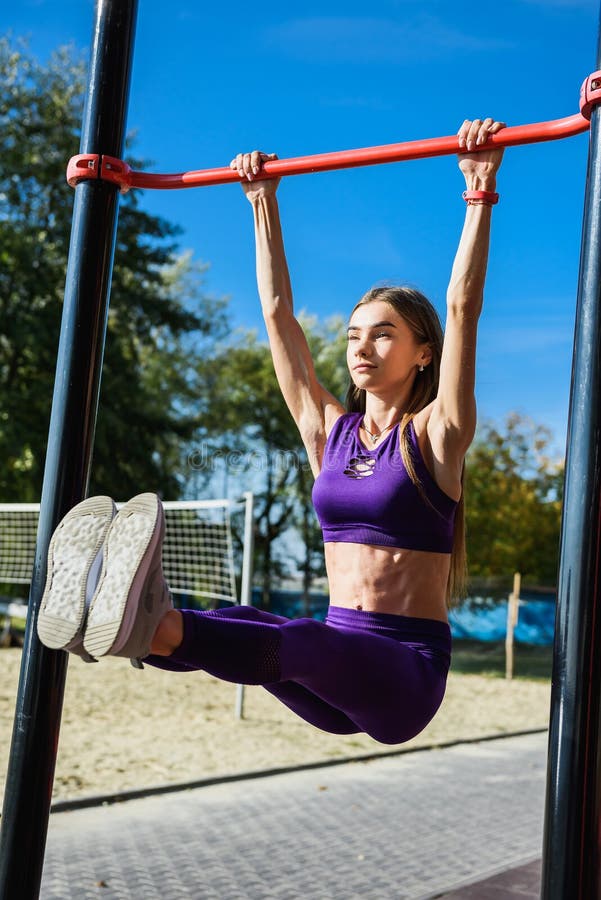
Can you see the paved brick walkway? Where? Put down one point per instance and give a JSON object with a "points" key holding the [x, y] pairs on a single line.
{"points": [[407, 828]]}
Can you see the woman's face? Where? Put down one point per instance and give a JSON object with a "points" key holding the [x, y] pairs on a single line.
{"points": [[382, 352]]}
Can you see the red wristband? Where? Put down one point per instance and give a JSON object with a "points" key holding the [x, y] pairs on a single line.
{"points": [[487, 198]]}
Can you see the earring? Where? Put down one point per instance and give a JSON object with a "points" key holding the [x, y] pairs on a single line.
{"points": [[421, 368]]}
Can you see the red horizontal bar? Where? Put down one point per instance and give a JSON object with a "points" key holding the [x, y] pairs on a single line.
{"points": [[344, 159], [118, 172]]}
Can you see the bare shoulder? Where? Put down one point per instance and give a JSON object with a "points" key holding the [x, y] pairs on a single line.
{"points": [[420, 421], [315, 429], [438, 450], [332, 410]]}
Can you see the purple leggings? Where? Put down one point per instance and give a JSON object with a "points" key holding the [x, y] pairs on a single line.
{"points": [[377, 673]]}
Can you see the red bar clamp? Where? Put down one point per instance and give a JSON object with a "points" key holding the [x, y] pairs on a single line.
{"points": [[86, 165], [590, 94], [92, 165], [117, 171]]}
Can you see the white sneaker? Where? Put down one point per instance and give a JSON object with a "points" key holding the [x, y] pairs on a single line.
{"points": [[132, 596], [74, 562]]}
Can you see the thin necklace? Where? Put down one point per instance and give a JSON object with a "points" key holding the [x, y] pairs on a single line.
{"points": [[376, 437]]}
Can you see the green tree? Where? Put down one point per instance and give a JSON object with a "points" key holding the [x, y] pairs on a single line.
{"points": [[249, 428], [513, 502], [150, 388]]}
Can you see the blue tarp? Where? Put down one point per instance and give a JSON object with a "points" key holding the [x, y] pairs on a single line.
{"points": [[477, 619], [482, 621]]}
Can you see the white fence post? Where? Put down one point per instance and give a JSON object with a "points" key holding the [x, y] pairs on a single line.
{"points": [[246, 580], [512, 620]]}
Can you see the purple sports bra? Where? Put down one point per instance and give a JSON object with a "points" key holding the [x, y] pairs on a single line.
{"points": [[366, 496]]}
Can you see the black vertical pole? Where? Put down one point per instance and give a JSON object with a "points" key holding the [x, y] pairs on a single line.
{"points": [[572, 840], [73, 419]]}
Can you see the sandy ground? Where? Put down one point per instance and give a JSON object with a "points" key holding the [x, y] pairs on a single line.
{"points": [[124, 729]]}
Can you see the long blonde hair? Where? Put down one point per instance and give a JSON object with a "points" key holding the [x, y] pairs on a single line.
{"points": [[416, 310]]}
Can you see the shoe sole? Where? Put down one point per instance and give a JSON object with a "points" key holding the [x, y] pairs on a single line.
{"points": [[72, 552], [129, 551]]}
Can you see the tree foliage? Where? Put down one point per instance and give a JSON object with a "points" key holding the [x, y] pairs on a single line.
{"points": [[249, 427], [150, 387], [513, 502]]}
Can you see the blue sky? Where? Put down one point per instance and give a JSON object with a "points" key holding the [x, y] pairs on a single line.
{"points": [[208, 82]]}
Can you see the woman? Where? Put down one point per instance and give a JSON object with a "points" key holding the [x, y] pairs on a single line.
{"points": [[388, 495]]}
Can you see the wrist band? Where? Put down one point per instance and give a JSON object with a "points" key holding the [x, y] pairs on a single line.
{"points": [[487, 198]]}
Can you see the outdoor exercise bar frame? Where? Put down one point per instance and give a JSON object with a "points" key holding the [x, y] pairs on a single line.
{"points": [[572, 855], [572, 836], [94, 165]]}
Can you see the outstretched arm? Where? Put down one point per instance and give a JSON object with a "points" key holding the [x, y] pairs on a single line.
{"points": [[311, 406], [453, 421]]}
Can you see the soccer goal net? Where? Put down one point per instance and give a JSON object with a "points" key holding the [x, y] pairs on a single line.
{"points": [[199, 556]]}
